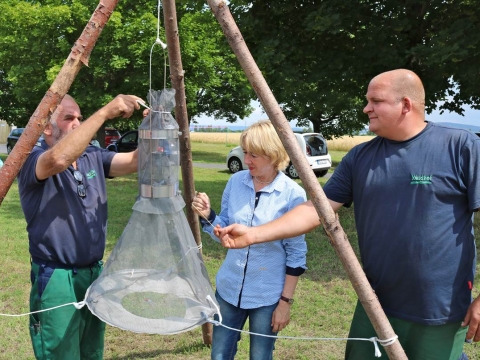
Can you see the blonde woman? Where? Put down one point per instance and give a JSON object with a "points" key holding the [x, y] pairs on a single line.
{"points": [[257, 282]]}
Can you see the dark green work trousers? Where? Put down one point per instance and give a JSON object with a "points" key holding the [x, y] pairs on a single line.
{"points": [[420, 342], [65, 332]]}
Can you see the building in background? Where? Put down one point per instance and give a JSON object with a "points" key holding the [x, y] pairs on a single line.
{"points": [[4, 131]]}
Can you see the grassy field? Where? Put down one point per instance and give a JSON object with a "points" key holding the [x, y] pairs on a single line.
{"points": [[324, 298]]}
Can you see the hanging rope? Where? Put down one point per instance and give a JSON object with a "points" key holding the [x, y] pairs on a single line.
{"points": [[163, 46]]}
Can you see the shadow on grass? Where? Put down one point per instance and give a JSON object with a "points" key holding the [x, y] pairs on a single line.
{"points": [[156, 354], [209, 157]]}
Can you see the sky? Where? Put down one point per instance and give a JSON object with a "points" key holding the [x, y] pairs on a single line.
{"points": [[471, 117], [258, 114]]}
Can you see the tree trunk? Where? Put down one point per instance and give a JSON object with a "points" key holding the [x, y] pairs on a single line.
{"points": [[177, 77], [78, 56], [327, 216]]}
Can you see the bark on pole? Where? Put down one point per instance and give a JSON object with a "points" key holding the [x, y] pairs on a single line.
{"points": [[177, 78], [78, 56], [327, 216]]}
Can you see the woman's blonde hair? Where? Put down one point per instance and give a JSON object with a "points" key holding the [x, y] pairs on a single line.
{"points": [[262, 139]]}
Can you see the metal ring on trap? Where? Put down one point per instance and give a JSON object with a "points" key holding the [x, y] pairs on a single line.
{"points": [[148, 301]]}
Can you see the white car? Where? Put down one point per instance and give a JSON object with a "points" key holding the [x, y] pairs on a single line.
{"points": [[314, 147]]}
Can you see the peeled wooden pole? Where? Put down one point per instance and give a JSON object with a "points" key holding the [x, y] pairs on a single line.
{"points": [[78, 56], [176, 75], [327, 216]]}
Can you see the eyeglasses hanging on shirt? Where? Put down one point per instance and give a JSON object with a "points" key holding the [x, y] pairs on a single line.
{"points": [[81, 190]]}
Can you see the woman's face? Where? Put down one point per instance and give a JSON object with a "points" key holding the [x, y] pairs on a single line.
{"points": [[258, 165]]}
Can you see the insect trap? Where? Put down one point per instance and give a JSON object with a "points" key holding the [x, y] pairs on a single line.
{"points": [[155, 280]]}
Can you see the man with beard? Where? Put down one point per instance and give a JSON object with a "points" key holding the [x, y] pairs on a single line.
{"points": [[63, 196]]}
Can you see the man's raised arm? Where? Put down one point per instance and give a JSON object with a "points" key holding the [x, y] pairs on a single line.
{"points": [[300, 220]]}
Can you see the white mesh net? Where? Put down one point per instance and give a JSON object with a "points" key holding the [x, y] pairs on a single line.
{"points": [[155, 280]]}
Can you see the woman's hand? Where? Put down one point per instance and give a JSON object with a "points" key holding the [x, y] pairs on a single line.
{"points": [[201, 205], [281, 316]]}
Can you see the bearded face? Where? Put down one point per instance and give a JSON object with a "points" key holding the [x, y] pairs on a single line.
{"points": [[65, 119], [57, 133]]}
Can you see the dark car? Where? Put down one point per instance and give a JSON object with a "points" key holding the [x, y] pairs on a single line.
{"points": [[478, 134], [13, 138], [127, 142]]}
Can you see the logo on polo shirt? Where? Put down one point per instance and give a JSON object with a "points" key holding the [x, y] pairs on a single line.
{"points": [[91, 174], [421, 179]]}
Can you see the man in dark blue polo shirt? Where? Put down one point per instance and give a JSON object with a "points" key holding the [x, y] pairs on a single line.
{"points": [[415, 187], [63, 196]]}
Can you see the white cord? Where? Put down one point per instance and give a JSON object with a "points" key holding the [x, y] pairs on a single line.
{"points": [[201, 214], [78, 305], [374, 340], [163, 46]]}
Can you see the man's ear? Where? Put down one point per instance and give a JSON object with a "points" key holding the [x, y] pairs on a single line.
{"points": [[48, 129], [407, 105]]}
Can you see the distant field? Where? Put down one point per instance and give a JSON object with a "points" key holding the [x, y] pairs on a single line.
{"points": [[344, 143]]}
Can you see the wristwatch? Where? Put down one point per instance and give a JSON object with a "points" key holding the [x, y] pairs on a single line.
{"points": [[290, 301]]}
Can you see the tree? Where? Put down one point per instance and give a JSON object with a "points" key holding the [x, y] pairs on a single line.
{"points": [[36, 37], [318, 56]]}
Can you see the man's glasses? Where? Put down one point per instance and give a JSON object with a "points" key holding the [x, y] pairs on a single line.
{"points": [[81, 191]]}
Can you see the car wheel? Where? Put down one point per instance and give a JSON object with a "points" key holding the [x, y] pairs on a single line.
{"points": [[9, 149], [234, 165], [321, 173], [291, 171]]}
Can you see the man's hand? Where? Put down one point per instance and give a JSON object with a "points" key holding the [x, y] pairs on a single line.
{"points": [[281, 316], [121, 106], [472, 320], [235, 236]]}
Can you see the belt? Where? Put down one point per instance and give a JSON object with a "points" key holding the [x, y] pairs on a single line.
{"points": [[57, 265]]}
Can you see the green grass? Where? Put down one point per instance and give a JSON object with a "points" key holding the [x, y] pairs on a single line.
{"points": [[210, 153], [324, 299], [336, 158]]}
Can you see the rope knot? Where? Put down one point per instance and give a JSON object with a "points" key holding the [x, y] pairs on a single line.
{"points": [[386, 342], [79, 305]]}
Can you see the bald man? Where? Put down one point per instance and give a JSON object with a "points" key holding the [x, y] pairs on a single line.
{"points": [[415, 188], [63, 195]]}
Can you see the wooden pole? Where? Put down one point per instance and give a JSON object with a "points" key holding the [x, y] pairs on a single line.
{"points": [[78, 56], [177, 78], [327, 216]]}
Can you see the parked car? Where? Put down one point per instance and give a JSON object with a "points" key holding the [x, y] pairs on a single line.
{"points": [[14, 136], [478, 134], [126, 143], [111, 135], [314, 147]]}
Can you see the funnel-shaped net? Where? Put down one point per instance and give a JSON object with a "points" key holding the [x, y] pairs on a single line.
{"points": [[155, 280]]}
